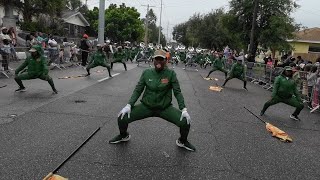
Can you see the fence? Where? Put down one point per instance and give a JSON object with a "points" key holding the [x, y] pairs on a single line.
{"points": [[54, 56]]}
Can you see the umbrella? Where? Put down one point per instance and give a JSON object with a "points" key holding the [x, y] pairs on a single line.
{"points": [[276, 132]]}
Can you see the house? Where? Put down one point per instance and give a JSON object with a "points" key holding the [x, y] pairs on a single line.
{"points": [[306, 44], [75, 23]]}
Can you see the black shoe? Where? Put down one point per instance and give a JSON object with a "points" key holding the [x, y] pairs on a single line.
{"points": [[55, 91], [188, 146], [245, 88], [296, 118], [119, 139], [21, 89], [261, 113]]}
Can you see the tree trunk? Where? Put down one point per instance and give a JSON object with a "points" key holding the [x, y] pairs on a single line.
{"points": [[253, 47]]}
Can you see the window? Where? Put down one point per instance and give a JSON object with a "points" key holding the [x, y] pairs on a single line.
{"points": [[314, 49]]}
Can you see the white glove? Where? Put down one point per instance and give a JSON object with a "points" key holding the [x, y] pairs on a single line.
{"points": [[124, 111], [186, 115]]}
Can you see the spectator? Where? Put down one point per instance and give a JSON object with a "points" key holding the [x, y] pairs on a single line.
{"points": [[85, 48], [269, 62], [5, 52], [53, 49], [29, 38], [13, 36], [311, 78], [299, 60], [67, 49]]}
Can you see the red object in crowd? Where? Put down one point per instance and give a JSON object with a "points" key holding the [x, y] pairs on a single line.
{"points": [[85, 36]]}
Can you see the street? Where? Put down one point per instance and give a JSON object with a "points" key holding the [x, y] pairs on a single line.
{"points": [[38, 130]]}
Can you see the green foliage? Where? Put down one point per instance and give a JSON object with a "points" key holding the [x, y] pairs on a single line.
{"points": [[219, 28], [207, 31], [153, 29], [44, 24], [274, 24], [123, 23]]}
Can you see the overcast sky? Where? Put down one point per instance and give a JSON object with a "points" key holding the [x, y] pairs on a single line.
{"points": [[177, 11]]}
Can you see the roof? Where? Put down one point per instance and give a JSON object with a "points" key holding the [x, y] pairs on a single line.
{"points": [[68, 17], [311, 35]]}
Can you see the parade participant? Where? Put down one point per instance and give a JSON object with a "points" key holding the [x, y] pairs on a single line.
{"points": [[98, 59], [37, 68], [158, 84], [119, 57], [285, 91], [218, 64], [238, 71]]}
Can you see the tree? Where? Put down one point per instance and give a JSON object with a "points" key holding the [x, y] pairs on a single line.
{"points": [[92, 16], [33, 8], [74, 4], [153, 29], [123, 23], [270, 13], [206, 31]]}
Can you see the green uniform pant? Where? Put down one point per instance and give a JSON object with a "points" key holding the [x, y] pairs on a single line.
{"points": [[119, 61], [103, 64], [27, 76], [170, 114], [294, 102], [240, 78], [218, 69]]}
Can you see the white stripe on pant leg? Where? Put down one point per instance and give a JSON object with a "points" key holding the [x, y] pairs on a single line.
{"points": [[113, 75]]}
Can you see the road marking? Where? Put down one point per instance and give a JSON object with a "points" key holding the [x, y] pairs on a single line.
{"points": [[113, 75]]}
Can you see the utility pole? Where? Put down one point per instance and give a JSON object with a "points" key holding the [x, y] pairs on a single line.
{"points": [[168, 32], [146, 35], [253, 29], [160, 23], [101, 22]]}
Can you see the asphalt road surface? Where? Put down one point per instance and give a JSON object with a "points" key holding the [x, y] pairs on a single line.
{"points": [[38, 130]]}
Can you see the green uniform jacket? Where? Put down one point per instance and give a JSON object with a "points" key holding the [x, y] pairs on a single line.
{"points": [[237, 70], [98, 58], [35, 67], [119, 56], [285, 88], [158, 88], [219, 63]]}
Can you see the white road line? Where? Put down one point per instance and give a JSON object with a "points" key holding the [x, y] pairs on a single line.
{"points": [[113, 75]]}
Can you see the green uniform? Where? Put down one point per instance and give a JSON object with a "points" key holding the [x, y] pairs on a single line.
{"points": [[36, 68], [285, 91], [133, 53], [157, 100], [119, 57], [218, 64], [182, 56], [98, 59], [237, 71]]}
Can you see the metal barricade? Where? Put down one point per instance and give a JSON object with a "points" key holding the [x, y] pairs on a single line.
{"points": [[315, 97], [304, 88]]}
